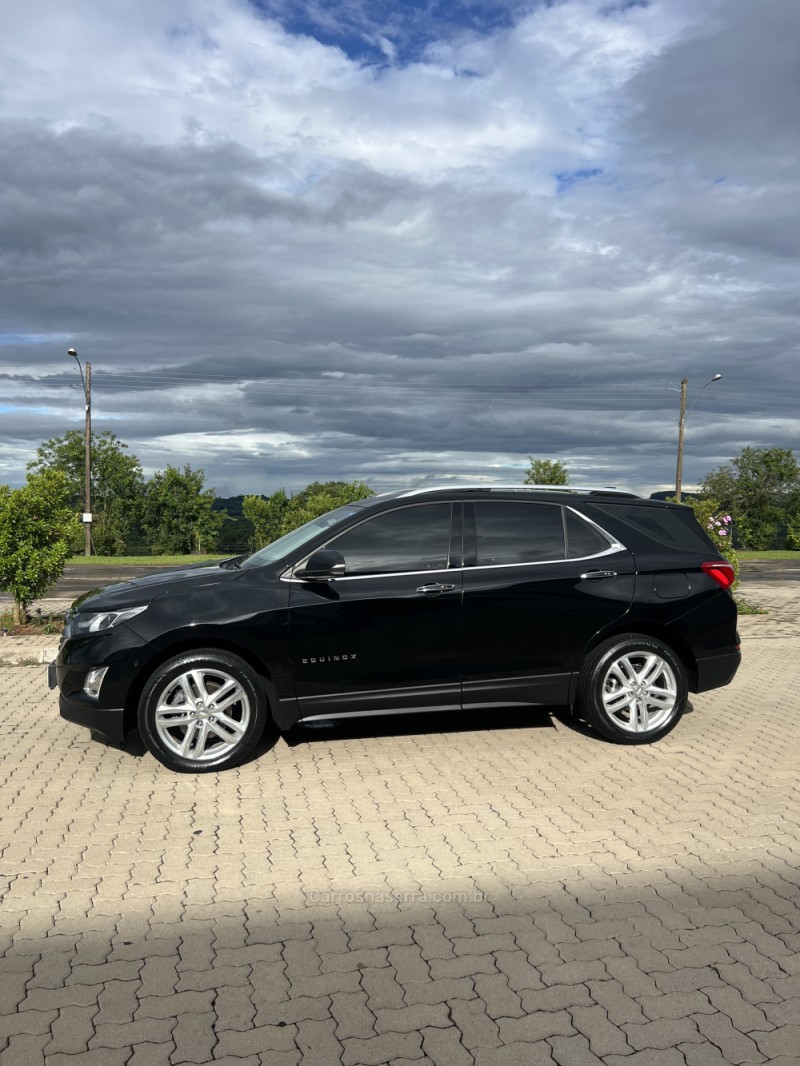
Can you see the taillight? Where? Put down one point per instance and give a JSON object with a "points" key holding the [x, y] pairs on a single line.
{"points": [[722, 572]]}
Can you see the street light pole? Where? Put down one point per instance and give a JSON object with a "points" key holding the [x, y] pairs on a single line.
{"points": [[87, 492], [681, 427]]}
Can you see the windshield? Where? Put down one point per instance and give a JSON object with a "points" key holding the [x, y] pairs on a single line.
{"points": [[290, 542]]}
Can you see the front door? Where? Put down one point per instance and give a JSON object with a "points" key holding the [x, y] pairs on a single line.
{"points": [[385, 637]]}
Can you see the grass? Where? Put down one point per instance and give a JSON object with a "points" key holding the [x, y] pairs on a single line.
{"points": [[777, 556], [743, 607], [144, 560], [38, 624]]}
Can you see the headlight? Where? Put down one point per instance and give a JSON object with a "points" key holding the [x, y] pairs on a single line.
{"points": [[100, 620]]}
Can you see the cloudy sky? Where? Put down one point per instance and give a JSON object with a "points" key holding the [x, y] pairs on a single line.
{"points": [[402, 242]]}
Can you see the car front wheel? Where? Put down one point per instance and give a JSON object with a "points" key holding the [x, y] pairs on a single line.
{"points": [[633, 689], [201, 711]]}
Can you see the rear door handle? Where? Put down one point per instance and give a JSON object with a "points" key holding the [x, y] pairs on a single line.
{"points": [[435, 589], [598, 575]]}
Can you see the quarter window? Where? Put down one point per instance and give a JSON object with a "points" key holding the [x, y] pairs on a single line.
{"points": [[508, 533], [410, 538], [583, 539]]}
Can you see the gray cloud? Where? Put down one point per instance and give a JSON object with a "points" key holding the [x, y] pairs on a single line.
{"points": [[308, 274]]}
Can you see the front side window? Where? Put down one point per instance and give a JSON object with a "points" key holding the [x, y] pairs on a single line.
{"points": [[410, 538], [512, 533]]}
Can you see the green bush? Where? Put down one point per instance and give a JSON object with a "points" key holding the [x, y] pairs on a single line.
{"points": [[793, 533]]}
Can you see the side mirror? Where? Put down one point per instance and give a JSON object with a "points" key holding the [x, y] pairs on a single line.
{"points": [[322, 565]]}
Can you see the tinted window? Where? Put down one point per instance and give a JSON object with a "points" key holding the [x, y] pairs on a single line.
{"points": [[518, 533], [290, 542], [410, 538], [583, 539], [669, 527]]}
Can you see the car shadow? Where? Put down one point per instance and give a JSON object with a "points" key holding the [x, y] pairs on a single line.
{"points": [[418, 724], [399, 725]]}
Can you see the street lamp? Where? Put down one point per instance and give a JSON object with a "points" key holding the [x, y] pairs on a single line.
{"points": [[681, 425], [86, 381]]}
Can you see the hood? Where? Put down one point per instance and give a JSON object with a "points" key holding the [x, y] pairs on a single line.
{"points": [[144, 589]]}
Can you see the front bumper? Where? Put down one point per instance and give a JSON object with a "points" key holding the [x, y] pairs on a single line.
{"points": [[119, 649], [108, 721]]}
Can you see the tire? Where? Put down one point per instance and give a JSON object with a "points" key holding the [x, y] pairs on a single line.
{"points": [[177, 719], [633, 689]]}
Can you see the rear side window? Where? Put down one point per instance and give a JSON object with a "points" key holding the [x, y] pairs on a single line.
{"points": [[508, 533], [410, 538], [582, 539], [674, 528]]}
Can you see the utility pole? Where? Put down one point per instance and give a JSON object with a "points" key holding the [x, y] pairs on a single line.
{"points": [[681, 425], [86, 381], [87, 524]]}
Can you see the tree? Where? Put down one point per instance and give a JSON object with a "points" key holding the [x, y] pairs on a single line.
{"points": [[267, 513], [237, 532], [546, 472], [760, 489], [37, 524], [178, 514], [117, 485], [278, 514], [320, 497]]}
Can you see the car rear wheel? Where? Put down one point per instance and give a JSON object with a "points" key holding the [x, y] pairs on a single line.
{"points": [[633, 689], [202, 711]]}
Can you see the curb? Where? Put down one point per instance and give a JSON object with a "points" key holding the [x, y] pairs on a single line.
{"points": [[17, 651]]}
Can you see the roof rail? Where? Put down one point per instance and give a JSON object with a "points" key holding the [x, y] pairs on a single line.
{"points": [[591, 490]]}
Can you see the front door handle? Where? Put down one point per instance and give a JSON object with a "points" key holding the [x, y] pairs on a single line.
{"points": [[598, 575], [434, 590]]}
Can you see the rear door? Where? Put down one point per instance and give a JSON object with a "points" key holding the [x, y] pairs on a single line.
{"points": [[385, 637], [540, 583]]}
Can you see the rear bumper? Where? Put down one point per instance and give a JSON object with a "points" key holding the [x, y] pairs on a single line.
{"points": [[716, 671]]}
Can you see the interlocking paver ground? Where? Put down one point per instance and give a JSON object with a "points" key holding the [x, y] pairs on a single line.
{"points": [[523, 893]]}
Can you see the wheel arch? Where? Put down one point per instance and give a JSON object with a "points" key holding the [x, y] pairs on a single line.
{"points": [[180, 647], [666, 635]]}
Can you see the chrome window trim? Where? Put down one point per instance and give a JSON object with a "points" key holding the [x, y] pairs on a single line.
{"points": [[614, 546], [612, 550]]}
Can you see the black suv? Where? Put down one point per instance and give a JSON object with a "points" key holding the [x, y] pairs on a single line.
{"points": [[428, 600]]}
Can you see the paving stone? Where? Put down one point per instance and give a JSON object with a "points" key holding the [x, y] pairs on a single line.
{"points": [[535, 1027], [353, 1017], [299, 1009], [735, 1046], [556, 997], [517, 1054], [72, 1030], [463, 966], [92, 1057], [259, 1040], [317, 1042], [380, 1049], [145, 1054], [444, 1047], [783, 1041], [671, 1057], [573, 1051], [604, 1037], [662, 934], [413, 1019], [662, 1034], [501, 1000]]}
